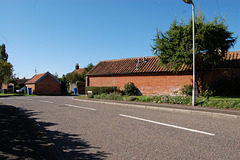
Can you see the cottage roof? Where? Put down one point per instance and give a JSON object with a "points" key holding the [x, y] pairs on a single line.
{"points": [[38, 77], [143, 65], [21, 80], [78, 71]]}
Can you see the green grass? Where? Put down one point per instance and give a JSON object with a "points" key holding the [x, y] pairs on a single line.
{"points": [[224, 98], [15, 94], [82, 96], [214, 101], [11, 94]]}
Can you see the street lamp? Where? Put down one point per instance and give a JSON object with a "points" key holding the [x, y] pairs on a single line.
{"points": [[194, 74]]}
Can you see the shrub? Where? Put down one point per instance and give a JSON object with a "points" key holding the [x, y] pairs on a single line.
{"points": [[207, 90], [187, 90], [130, 89], [115, 96], [90, 95], [100, 90], [111, 96], [132, 98]]}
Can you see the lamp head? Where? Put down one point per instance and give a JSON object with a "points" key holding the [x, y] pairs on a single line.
{"points": [[188, 1]]}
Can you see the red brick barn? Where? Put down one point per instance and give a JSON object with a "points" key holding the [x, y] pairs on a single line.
{"points": [[145, 73], [151, 78], [44, 83]]}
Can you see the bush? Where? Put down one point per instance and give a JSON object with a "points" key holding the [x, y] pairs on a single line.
{"points": [[115, 96], [130, 89], [132, 98], [90, 96], [187, 90], [100, 90], [111, 96], [3, 91]]}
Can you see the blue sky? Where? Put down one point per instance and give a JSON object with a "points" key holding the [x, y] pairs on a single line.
{"points": [[54, 35]]}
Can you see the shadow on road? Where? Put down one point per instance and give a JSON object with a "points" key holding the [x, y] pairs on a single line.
{"points": [[21, 139]]}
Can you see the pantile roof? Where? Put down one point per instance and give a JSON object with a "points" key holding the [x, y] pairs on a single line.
{"points": [[143, 65], [132, 66], [38, 77], [21, 80], [79, 71], [35, 78]]}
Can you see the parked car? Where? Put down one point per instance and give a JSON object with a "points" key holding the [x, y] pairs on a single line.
{"points": [[21, 90]]}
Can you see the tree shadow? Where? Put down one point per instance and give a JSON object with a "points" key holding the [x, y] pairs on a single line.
{"points": [[21, 138]]}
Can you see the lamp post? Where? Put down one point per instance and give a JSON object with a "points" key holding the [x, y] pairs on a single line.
{"points": [[194, 73]]}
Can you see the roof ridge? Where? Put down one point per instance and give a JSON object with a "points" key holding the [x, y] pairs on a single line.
{"points": [[112, 60]]}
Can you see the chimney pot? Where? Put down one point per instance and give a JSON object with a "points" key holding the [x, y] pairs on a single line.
{"points": [[77, 67]]}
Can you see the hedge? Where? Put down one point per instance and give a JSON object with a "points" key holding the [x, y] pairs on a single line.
{"points": [[100, 90]]}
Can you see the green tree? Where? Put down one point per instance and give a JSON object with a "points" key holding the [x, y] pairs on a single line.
{"points": [[75, 77], [3, 54], [5, 71], [86, 70], [64, 84], [212, 41]]}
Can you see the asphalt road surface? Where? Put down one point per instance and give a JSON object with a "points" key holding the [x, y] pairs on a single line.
{"points": [[85, 130]]}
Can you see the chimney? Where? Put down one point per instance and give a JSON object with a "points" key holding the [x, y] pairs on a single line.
{"points": [[77, 66]]}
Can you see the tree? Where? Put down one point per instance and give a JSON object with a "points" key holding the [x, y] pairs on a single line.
{"points": [[6, 68], [86, 70], [5, 71], [64, 84], [74, 77], [3, 54], [212, 41]]}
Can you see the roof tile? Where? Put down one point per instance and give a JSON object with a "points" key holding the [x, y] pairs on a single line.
{"points": [[151, 65], [35, 78]]}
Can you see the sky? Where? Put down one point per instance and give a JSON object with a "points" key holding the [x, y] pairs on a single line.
{"points": [[54, 35]]}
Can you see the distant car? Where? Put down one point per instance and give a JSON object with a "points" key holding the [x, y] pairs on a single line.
{"points": [[21, 90]]}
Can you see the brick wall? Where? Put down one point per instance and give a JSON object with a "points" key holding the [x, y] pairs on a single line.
{"points": [[162, 84], [47, 85], [148, 84], [31, 86], [219, 73]]}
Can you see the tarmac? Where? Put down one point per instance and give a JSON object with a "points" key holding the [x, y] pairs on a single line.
{"points": [[22, 138]]}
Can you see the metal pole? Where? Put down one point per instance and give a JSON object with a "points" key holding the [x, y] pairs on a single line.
{"points": [[194, 69]]}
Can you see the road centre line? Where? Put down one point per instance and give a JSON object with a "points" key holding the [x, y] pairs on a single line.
{"points": [[80, 107], [7, 98], [169, 125], [28, 99], [45, 101]]}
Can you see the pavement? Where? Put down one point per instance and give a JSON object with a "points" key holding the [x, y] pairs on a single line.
{"points": [[208, 111]]}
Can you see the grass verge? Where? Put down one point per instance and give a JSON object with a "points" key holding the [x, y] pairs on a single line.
{"points": [[214, 101]]}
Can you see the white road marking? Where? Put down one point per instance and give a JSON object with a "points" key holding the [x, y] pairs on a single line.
{"points": [[28, 99], [19, 98], [45, 101], [24, 99], [80, 107], [169, 125], [7, 98]]}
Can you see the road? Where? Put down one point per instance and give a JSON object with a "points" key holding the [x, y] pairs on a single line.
{"points": [[85, 130]]}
